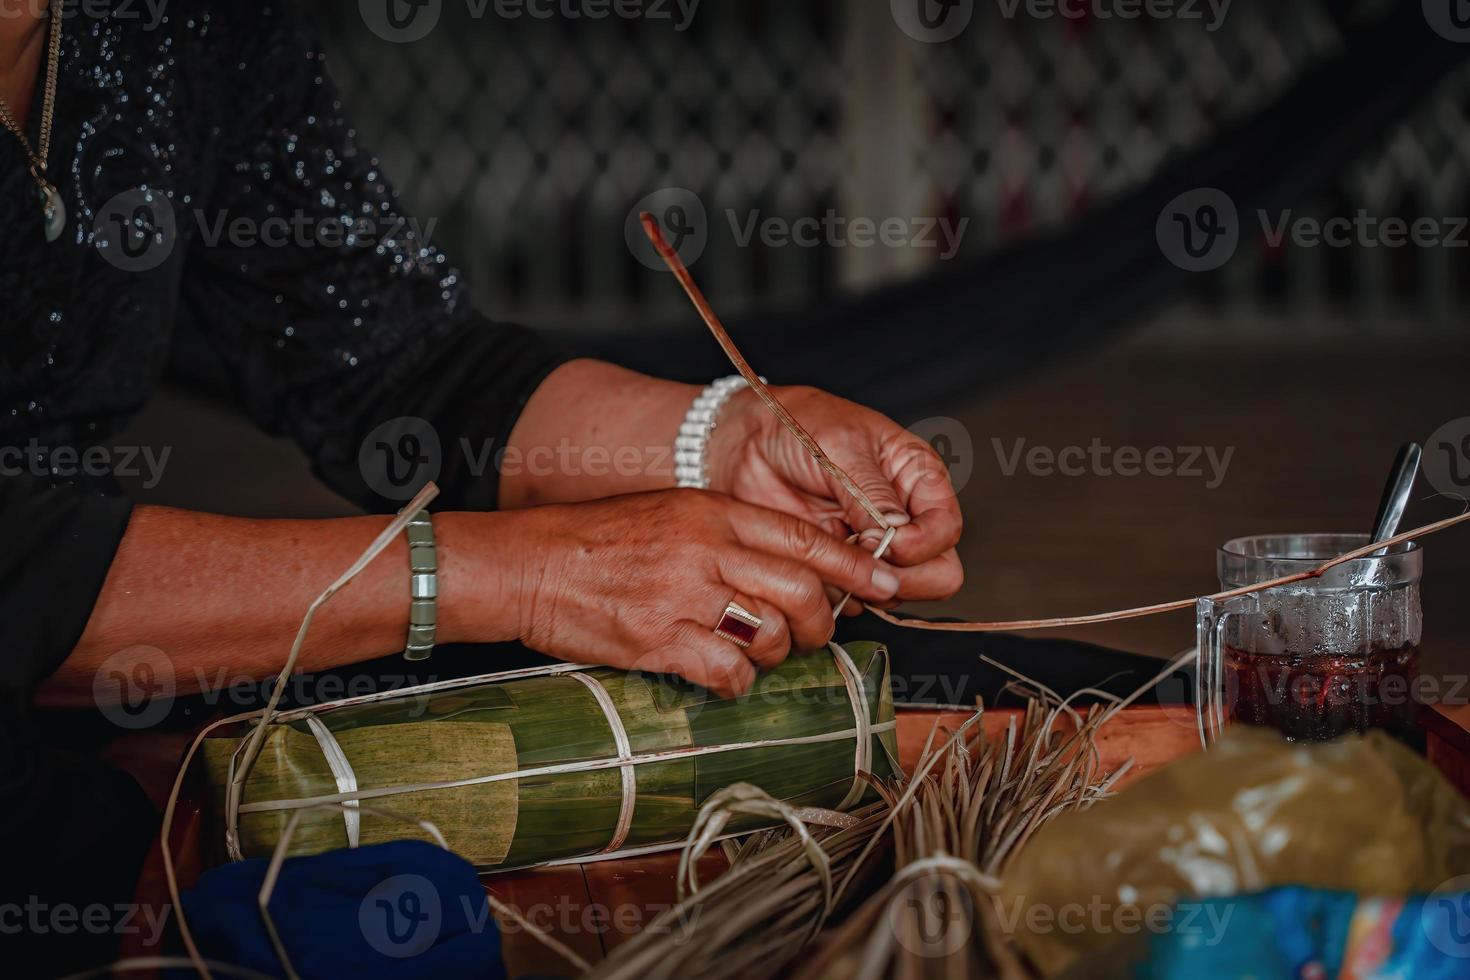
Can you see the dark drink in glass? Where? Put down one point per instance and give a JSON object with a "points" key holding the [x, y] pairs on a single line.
{"points": [[1319, 657], [1322, 696]]}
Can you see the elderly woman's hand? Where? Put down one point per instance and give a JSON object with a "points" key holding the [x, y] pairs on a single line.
{"points": [[640, 582], [753, 458]]}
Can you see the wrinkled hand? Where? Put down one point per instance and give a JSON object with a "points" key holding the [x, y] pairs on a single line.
{"points": [[753, 458], [639, 582]]}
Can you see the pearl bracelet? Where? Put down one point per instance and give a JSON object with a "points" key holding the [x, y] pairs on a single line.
{"points": [[690, 445]]}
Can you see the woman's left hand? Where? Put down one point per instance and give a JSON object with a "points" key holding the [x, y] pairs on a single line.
{"points": [[753, 458]]}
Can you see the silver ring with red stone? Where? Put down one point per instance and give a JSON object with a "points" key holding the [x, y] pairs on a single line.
{"points": [[738, 625]]}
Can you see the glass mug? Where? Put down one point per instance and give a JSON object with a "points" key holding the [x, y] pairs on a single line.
{"points": [[1317, 658]]}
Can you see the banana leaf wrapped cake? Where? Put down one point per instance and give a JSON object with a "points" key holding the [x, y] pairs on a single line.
{"points": [[555, 763]]}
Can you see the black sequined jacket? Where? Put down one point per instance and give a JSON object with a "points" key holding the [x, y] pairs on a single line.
{"points": [[224, 226]]}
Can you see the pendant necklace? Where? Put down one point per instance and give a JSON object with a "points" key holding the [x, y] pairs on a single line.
{"points": [[53, 209]]}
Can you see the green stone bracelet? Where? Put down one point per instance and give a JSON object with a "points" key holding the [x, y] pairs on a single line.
{"points": [[423, 610]]}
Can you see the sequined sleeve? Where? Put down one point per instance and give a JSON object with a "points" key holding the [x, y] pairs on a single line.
{"points": [[320, 302]]}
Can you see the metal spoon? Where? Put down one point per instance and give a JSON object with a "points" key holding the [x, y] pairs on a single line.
{"points": [[1396, 493]]}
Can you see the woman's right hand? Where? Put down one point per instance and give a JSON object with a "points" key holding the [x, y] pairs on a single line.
{"points": [[639, 582]]}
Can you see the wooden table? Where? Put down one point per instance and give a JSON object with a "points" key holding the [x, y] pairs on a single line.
{"points": [[596, 906]]}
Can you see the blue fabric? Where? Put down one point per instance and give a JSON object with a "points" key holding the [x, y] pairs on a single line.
{"points": [[1295, 931], [398, 910]]}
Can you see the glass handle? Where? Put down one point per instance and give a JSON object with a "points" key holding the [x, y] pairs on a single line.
{"points": [[1212, 619]]}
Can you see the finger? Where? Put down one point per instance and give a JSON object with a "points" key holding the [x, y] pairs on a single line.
{"points": [[697, 655], [852, 607], [793, 589], [935, 522], [878, 488], [772, 641], [937, 578], [836, 562]]}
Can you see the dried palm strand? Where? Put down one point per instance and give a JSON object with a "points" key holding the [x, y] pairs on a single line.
{"points": [[752, 921], [722, 336], [972, 804]]}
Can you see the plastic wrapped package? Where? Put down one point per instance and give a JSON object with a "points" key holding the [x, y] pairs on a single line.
{"points": [[1300, 932], [1362, 814], [557, 763]]}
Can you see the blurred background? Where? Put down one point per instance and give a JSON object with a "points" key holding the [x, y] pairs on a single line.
{"points": [[1101, 252]]}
